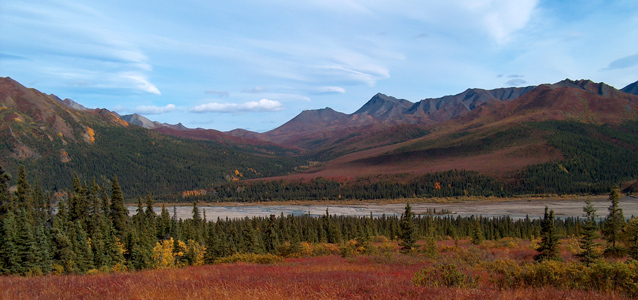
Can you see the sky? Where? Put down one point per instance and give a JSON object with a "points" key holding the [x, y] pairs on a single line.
{"points": [[257, 64]]}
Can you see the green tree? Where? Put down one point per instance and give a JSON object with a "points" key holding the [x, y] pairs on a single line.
{"points": [[631, 233], [614, 224], [548, 248], [408, 230], [118, 212], [6, 204], [476, 235], [588, 234]]}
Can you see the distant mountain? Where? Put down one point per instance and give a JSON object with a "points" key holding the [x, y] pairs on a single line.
{"points": [[69, 103], [631, 88], [316, 129], [436, 110], [54, 141], [380, 108], [588, 129]]}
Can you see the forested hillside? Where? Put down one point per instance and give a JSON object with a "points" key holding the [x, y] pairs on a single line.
{"points": [[54, 142]]}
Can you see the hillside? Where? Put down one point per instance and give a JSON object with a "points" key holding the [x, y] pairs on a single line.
{"points": [[55, 141], [568, 137]]}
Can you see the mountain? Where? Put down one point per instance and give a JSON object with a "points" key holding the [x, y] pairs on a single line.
{"points": [[69, 103], [588, 129], [631, 88], [314, 130], [54, 141]]}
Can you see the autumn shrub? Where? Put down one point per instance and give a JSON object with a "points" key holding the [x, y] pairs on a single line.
{"points": [[354, 247], [444, 275], [250, 258]]}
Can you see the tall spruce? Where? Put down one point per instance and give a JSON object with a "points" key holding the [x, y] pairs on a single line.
{"points": [[118, 211], [476, 234], [588, 234], [614, 224], [548, 248], [6, 204], [408, 230]]}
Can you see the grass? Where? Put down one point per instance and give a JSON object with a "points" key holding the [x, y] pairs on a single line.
{"points": [[382, 274]]}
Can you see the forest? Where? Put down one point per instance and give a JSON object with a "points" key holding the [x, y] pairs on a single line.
{"points": [[91, 231]]}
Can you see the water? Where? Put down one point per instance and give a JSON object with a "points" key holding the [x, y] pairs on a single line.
{"points": [[516, 209]]}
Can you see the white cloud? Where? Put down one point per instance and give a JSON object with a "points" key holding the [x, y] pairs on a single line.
{"points": [[330, 90], [263, 105], [155, 110], [141, 83]]}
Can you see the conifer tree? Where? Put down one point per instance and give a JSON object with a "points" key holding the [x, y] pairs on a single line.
{"points": [[118, 211], [631, 232], [548, 248], [23, 192], [408, 230], [588, 234], [476, 235], [5, 199], [430, 241], [271, 238], [614, 224], [10, 260]]}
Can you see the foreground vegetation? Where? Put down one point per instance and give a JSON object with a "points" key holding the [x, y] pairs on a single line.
{"points": [[386, 257], [501, 269]]}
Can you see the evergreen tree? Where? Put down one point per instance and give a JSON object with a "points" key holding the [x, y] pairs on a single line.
{"points": [[476, 235], [613, 225], [588, 234], [631, 233], [10, 260], [118, 211], [271, 238], [430, 240], [408, 230], [6, 204], [548, 248]]}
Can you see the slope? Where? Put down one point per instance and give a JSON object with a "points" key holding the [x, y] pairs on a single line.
{"points": [[55, 141]]}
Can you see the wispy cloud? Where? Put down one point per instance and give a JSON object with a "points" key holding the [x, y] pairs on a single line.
{"points": [[515, 82], [216, 92], [263, 105], [329, 90], [141, 82], [155, 110], [624, 62], [254, 90]]}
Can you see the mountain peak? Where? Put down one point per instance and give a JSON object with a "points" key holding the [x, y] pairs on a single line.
{"points": [[381, 106], [631, 88]]}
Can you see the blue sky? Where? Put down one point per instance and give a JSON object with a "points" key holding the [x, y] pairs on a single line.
{"points": [[257, 64]]}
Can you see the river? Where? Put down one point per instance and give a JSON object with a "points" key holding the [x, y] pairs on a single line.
{"points": [[516, 209]]}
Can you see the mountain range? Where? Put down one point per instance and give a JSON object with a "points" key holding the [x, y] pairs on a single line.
{"points": [[499, 132]]}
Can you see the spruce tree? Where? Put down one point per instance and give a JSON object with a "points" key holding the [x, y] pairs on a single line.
{"points": [[10, 260], [613, 225], [430, 240], [5, 199], [118, 211], [476, 235], [408, 230], [631, 232], [548, 248], [588, 234]]}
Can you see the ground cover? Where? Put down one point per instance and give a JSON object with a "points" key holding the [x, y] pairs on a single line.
{"points": [[473, 272]]}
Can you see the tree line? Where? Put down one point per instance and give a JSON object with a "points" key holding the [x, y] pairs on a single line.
{"points": [[91, 230]]}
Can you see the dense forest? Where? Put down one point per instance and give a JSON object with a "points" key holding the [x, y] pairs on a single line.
{"points": [[91, 231]]}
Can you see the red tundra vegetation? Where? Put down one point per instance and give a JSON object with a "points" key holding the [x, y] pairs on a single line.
{"points": [[456, 270]]}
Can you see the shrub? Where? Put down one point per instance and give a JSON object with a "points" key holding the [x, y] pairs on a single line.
{"points": [[446, 274]]}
